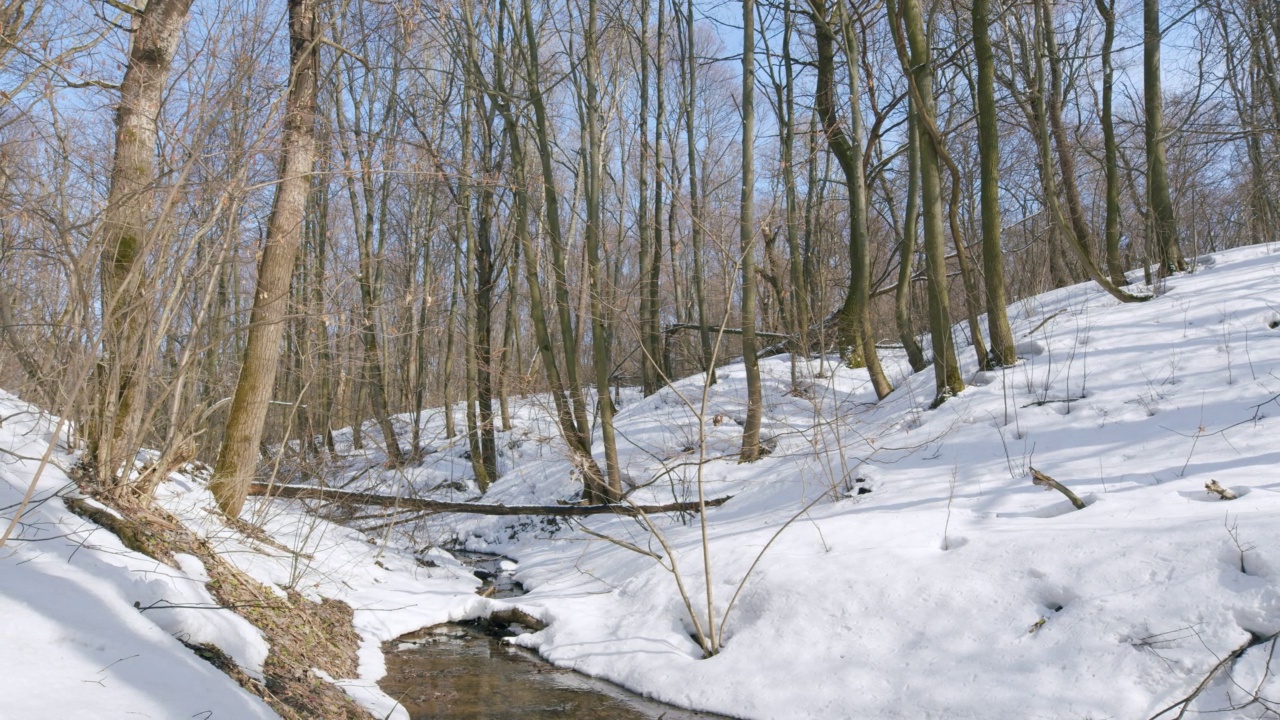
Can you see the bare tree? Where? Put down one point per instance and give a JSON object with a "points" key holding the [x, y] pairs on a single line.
{"points": [[915, 57], [238, 456], [127, 224], [1163, 225], [747, 235]]}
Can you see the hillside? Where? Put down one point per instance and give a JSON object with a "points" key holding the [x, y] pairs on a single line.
{"points": [[883, 561]]}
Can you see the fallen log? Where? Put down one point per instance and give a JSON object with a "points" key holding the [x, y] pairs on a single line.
{"points": [[673, 329], [309, 492]]}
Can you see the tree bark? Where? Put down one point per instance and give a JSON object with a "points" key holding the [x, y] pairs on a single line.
{"points": [[915, 56], [746, 237], [1159, 197], [125, 363], [650, 355], [595, 195], [238, 456], [1003, 353], [852, 326], [695, 204], [1111, 151], [911, 220]]}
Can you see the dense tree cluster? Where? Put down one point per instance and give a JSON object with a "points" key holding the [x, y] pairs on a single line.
{"points": [[224, 226]]}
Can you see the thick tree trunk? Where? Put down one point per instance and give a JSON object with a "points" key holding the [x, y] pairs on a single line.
{"points": [[650, 323], [126, 361], [238, 457], [858, 299], [919, 68], [1159, 197], [470, 322]]}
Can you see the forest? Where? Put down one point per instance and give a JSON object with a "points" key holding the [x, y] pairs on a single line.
{"points": [[235, 226], [258, 240]]}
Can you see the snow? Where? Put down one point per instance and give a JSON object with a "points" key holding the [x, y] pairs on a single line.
{"points": [[90, 629], [883, 561]]}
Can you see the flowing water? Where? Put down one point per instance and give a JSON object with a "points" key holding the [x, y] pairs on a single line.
{"points": [[465, 671]]}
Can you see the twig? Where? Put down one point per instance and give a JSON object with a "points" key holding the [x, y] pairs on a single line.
{"points": [[620, 543], [1044, 322]]}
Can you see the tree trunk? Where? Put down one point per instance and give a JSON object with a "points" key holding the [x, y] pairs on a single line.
{"points": [[919, 69], [695, 204], [1046, 114], [599, 333], [911, 219], [652, 273], [125, 362], [858, 300], [238, 456], [649, 355], [746, 236], [1159, 197], [1003, 353], [799, 305], [1111, 163]]}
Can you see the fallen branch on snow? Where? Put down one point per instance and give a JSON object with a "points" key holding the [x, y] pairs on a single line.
{"points": [[308, 492], [1185, 703], [1222, 492], [1039, 478]]}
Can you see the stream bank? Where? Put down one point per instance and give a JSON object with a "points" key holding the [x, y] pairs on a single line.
{"points": [[468, 671]]}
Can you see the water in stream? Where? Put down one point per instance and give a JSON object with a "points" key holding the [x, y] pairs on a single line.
{"points": [[464, 671]]}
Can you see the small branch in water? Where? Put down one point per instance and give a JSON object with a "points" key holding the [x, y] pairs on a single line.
{"points": [[1039, 478]]}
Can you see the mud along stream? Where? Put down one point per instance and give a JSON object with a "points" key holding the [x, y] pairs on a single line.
{"points": [[467, 670]]}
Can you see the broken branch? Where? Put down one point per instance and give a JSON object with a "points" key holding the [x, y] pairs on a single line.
{"points": [[1222, 492], [1039, 478]]}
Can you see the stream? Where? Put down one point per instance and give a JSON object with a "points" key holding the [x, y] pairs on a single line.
{"points": [[466, 671]]}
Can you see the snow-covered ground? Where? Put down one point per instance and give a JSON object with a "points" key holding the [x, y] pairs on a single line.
{"points": [[884, 561]]}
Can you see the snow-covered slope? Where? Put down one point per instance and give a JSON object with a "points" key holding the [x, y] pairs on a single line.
{"points": [[939, 582], [92, 629], [75, 641], [884, 561]]}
